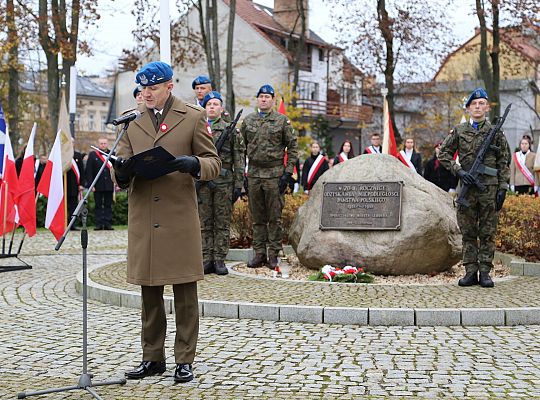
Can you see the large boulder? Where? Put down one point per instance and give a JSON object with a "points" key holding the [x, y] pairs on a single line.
{"points": [[428, 241]]}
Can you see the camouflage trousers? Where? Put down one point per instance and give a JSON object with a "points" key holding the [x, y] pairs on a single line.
{"points": [[215, 210], [266, 205], [478, 225]]}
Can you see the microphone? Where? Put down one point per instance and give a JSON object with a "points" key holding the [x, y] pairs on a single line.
{"points": [[126, 118]]}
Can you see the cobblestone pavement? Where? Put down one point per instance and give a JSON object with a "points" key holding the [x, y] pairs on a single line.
{"points": [[40, 331]]}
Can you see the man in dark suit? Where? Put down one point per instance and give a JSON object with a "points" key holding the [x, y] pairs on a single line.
{"points": [[103, 191]]}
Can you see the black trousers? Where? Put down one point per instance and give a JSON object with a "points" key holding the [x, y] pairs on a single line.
{"points": [[103, 211], [525, 189]]}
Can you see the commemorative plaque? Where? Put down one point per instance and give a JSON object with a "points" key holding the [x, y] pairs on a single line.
{"points": [[361, 206]]}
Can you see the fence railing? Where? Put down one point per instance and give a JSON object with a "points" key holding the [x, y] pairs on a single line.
{"points": [[312, 108]]}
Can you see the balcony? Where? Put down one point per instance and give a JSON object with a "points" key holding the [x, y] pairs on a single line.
{"points": [[335, 110]]}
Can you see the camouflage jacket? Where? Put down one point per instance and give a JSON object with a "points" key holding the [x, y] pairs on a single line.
{"points": [[231, 154], [467, 141], [266, 138]]}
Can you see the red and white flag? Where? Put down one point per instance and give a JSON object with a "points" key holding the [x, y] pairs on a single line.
{"points": [[389, 145], [52, 187], [26, 198], [9, 216]]}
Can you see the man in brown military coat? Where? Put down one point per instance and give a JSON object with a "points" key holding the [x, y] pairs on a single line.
{"points": [[164, 240]]}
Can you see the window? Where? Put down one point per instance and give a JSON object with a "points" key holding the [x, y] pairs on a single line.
{"points": [[321, 55], [91, 121], [348, 95], [308, 90], [103, 124]]}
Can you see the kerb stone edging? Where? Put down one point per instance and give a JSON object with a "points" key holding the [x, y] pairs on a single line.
{"points": [[326, 315]]}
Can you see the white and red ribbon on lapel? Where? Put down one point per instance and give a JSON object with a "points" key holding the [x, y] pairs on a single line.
{"points": [[405, 160], [372, 150], [343, 156], [523, 168], [76, 171], [313, 170], [109, 165]]}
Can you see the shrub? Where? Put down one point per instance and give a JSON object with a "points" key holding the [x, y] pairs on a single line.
{"points": [[241, 223], [120, 206], [519, 227]]}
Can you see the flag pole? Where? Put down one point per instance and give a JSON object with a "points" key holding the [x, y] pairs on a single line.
{"points": [[4, 185], [11, 239], [65, 202], [24, 232], [386, 139]]}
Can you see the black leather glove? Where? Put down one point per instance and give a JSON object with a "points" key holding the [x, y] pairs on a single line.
{"points": [[499, 200], [186, 164], [465, 177], [124, 169], [237, 192], [284, 182]]}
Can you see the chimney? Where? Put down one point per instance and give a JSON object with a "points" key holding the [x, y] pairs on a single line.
{"points": [[286, 14]]}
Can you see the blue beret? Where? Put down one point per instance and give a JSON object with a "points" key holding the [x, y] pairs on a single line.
{"points": [[153, 73], [267, 89], [136, 91], [200, 80], [479, 93], [211, 95]]}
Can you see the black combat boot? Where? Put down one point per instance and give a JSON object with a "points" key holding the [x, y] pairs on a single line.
{"points": [[485, 279], [470, 279], [258, 261], [272, 261], [209, 267], [221, 269]]}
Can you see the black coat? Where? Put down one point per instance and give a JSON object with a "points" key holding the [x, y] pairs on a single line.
{"points": [[440, 176], [305, 171], [104, 183], [416, 160], [71, 183]]}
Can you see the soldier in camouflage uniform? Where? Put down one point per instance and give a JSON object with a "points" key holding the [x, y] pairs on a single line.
{"points": [[267, 134], [215, 203], [478, 222]]}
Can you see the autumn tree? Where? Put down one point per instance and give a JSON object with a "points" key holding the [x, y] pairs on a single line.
{"points": [[396, 41], [489, 11]]}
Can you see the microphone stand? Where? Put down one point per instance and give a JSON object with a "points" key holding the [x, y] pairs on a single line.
{"points": [[85, 379]]}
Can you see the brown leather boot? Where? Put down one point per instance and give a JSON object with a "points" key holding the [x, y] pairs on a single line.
{"points": [[258, 261]]}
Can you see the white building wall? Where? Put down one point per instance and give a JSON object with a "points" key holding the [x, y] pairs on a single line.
{"points": [[256, 61]]}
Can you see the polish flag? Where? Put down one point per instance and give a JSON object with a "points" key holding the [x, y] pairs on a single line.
{"points": [[26, 198], [51, 186], [281, 108], [389, 145], [9, 215]]}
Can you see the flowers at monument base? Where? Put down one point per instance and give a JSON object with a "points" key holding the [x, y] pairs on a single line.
{"points": [[346, 274]]}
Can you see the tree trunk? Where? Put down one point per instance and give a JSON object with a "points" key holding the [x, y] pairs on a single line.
{"points": [[229, 72], [485, 68], [206, 35], [216, 80], [495, 99], [385, 27], [13, 73], [300, 48]]}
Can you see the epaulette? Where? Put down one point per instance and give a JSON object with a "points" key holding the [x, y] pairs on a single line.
{"points": [[128, 111], [195, 106]]}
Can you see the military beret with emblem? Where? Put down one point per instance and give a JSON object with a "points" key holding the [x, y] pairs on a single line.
{"points": [[136, 91], [266, 89], [479, 93], [200, 80], [209, 96], [153, 73]]}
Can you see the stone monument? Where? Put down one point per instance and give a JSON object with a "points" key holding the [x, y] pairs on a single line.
{"points": [[373, 211]]}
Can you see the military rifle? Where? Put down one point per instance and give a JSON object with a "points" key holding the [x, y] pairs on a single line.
{"points": [[478, 166], [227, 132]]}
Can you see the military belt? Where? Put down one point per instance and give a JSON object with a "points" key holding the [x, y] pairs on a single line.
{"points": [[266, 164]]}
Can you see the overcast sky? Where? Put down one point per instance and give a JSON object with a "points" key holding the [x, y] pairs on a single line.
{"points": [[113, 32]]}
